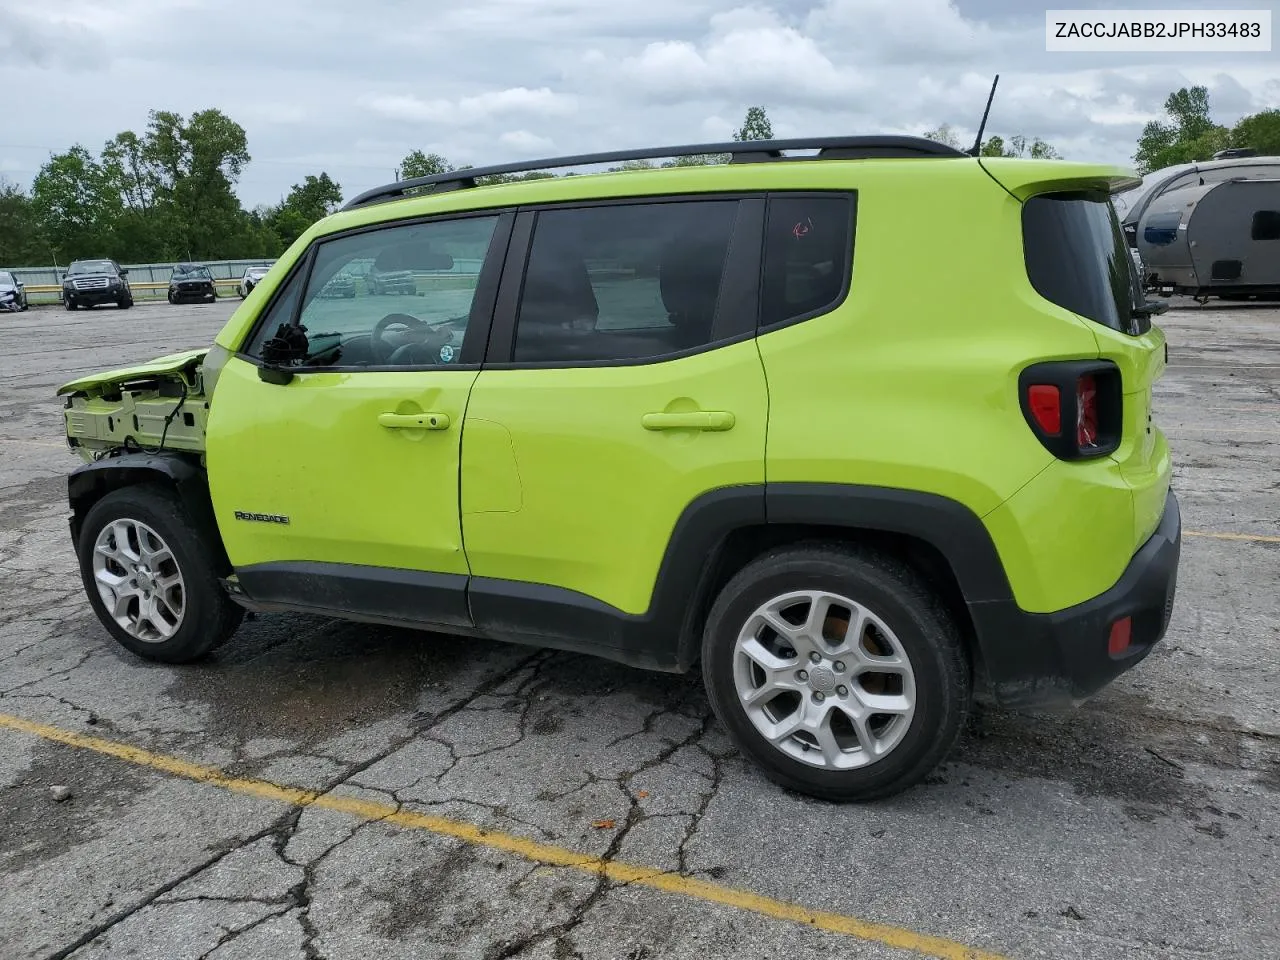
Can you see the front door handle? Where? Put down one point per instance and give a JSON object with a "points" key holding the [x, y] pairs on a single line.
{"points": [[415, 421], [694, 420]]}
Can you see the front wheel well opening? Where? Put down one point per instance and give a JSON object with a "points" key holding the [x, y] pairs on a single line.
{"points": [[746, 544], [88, 488]]}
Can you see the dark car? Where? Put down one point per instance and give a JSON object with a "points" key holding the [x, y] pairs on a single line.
{"points": [[88, 283], [191, 281], [13, 295]]}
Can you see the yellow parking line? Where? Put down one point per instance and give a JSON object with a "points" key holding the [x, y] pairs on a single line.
{"points": [[1215, 535], [615, 870]]}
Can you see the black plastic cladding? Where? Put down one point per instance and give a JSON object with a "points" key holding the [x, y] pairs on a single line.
{"points": [[745, 151], [1064, 374]]}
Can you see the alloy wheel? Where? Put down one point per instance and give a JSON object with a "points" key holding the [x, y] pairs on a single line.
{"points": [[139, 581], [824, 680]]}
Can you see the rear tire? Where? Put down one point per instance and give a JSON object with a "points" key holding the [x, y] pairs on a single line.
{"points": [[139, 553], [866, 691]]}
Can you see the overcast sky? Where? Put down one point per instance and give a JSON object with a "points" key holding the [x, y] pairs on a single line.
{"points": [[350, 87]]}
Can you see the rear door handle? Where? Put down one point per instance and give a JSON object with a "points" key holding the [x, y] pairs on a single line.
{"points": [[414, 421], [696, 420]]}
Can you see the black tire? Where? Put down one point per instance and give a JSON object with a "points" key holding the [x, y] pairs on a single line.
{"points": [[209, 618], [923, 627], [68, 304], [172, 297]]}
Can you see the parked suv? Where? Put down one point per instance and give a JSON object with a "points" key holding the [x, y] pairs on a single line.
{"points": [[88, 283], [698, 415]]}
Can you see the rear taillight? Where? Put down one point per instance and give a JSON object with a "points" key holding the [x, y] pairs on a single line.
{"points": [[1074, 407]]}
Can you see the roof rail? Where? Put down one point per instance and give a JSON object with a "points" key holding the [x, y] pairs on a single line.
{"points": [[740, 151]]}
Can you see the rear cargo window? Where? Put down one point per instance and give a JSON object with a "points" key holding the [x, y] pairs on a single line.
{"points": [[1077, 257]]}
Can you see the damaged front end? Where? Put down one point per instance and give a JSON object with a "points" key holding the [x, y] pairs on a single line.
{"points": [[158, 405]]}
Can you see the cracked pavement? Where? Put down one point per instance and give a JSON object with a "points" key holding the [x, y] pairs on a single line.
{"points": [[1143, 824]]}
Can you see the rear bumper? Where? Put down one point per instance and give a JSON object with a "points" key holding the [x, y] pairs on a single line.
{"points": [[1035, 659]]}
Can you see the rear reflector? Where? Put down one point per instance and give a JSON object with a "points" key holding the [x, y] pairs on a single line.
{"points": [[1046, 406], [1086, 412], [1121, 635]]}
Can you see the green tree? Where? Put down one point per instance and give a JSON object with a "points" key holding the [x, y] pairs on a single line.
{"points": [[21, 243], [1019, 147], [307, 202], [419, 164], [1191, 135], [76, 205], [1261, 131], [755, 126], [943, 134]]}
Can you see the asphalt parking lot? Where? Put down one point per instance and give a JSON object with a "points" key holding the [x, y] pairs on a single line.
{"points": [[326, 790]]}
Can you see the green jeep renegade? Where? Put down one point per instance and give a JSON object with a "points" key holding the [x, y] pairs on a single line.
{"points": [[863, 431]]}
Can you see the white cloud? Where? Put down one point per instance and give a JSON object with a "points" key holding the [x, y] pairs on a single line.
{"points": [[318, 88], [526, 142], [473, 109]]}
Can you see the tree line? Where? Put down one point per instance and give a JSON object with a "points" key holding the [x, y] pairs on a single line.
{"points": [[169, 193], [163, 195]]}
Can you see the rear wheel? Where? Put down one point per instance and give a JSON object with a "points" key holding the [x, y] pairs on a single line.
{"points": [[836, 670], [150, 579]]}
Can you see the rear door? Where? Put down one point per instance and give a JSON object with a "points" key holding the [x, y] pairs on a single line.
{"points": [[623, 382], [339, 487]]}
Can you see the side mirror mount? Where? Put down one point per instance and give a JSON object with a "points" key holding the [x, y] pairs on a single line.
{"points": [[124, 271], [277, 375]]}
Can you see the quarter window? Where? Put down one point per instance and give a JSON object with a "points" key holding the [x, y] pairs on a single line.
{"points": [[395, 297], [623, 282], [808, 256]]}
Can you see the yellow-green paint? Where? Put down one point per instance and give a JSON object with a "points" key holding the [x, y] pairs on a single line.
{"points": [[600, 493], [534, 851], [910, 384], [354, 491], [171, 363]]}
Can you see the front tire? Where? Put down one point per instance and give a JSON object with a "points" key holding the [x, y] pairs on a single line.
{"points": [[68, 304], [837, 670], [150, 579]]}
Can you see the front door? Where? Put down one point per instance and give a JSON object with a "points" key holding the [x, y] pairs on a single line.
{"points": [[339, 487]]}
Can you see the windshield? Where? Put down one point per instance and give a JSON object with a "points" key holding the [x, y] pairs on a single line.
{"points": [[92, 266], [186, 272], [7, 278]]}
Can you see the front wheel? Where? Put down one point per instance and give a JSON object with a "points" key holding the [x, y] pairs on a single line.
{"points": [[150, 579], [69, 304], [836, 670]]}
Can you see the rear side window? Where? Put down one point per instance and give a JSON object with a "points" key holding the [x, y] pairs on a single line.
{"points": [[623, 282], [1076, 256], [807, 256]]}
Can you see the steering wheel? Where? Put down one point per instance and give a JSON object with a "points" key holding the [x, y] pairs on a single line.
{"points": [[381, 350]]}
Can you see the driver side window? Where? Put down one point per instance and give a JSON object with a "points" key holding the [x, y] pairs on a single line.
{"points": [[392, 297]]}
